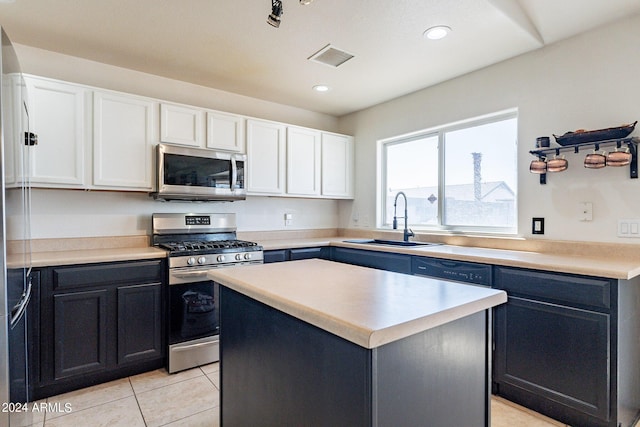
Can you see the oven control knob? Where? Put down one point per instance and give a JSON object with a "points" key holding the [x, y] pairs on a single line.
{"points": [[191, 261], [202, 260], [247, 256], [238, 257], [220, 258]]}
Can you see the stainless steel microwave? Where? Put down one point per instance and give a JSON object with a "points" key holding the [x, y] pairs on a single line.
{"points": [[198, 174]]}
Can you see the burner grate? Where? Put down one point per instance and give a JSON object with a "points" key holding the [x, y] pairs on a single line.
{"points": [[176, 247]]}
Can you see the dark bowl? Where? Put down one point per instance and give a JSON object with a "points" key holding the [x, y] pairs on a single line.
{"points": [[571, 138]]}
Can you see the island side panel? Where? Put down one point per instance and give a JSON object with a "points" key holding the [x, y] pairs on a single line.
{"points": [[439, 377], [276, 370], [628, 353]]}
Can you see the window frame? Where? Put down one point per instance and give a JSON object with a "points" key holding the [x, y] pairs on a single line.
{"points": [[440, 132]]}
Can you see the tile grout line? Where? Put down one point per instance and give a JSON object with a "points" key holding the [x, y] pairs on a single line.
{"points": [[163, 386], [135, 395]]}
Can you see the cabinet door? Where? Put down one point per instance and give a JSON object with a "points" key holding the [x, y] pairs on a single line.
{"points": [[80, 331], [122, 141], [57, 116], [337, 165], [139, 322], [225, 131], [265, 157], [180, 124], [559, 356], [303, 162]]}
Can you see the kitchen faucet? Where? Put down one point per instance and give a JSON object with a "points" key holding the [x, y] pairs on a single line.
{"points": [[407, 232]]}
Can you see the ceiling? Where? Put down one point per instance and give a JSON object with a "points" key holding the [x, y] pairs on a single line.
{"points": [[228, 44]]}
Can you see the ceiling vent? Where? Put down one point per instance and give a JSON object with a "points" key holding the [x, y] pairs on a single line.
{"points": [[330, 55]]}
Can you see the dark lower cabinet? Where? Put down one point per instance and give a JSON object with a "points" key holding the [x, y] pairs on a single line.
{"points": [[563, 349], [280, 255], [99, 322], [373, 259]]}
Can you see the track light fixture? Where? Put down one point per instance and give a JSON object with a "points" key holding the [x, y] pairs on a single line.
{"points": [[276, 12]]}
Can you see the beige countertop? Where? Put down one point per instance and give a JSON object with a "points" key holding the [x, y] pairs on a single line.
{"points": [[86, 256], [609, 265], [365, 306], [608, 261]]}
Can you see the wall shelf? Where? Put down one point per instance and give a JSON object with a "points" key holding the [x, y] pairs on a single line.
{"points": [[631, 143]]}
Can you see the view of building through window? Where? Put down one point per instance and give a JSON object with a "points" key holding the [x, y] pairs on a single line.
{"points": [[461, 177]]}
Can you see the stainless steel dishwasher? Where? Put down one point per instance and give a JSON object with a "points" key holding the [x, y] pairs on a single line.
{"points": [[469, 273]]}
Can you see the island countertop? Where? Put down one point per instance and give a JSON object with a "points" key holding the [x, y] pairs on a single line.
{"points": [[365, 306]]}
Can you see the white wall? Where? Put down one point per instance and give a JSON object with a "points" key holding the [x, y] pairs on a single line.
{"points": [[68, 213], [588, 82]]}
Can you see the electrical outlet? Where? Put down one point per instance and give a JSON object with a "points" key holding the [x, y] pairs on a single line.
{"points": [[288, 219], [585, 211], [537, 225], [366, 221]]}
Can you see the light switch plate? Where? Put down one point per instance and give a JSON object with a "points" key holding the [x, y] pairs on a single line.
{"points": [[629, 228]]}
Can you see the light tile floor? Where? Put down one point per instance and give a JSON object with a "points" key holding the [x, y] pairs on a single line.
{"points": [[186, 399]]}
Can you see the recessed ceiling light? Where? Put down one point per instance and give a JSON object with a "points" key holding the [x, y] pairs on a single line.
{"points": [[437, 32], [321, 88]]}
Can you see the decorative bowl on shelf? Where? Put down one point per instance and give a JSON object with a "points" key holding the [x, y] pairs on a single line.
{"points": [[582, 136]]}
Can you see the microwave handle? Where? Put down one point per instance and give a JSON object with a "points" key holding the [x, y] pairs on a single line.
{"points": [[234, 173]]}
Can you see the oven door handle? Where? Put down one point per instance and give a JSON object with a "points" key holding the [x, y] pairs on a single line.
{"points": [[187, 275]]}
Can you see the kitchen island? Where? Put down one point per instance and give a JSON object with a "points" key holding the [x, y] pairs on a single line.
{"points": [[315, 342]]}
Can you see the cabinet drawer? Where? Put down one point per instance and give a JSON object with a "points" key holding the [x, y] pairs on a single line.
{"points": [[373, 259], [555, 287], [307, 253], [106, 274], [275, 255]]}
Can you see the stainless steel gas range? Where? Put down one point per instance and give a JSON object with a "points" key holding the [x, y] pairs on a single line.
{"points": [[196, 244]]}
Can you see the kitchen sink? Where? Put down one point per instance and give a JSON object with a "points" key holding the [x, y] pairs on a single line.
{"points": [[389, 242]]}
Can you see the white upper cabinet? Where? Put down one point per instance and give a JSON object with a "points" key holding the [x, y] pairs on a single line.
{"points": [[123, 140], [225, 131], [180, 124], [57, 114], [183, 124], [303, 161], [91, 138], [337, 166], [266, 145]]}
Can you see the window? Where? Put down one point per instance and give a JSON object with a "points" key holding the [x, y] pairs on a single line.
{"points": [[458, 177]]}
